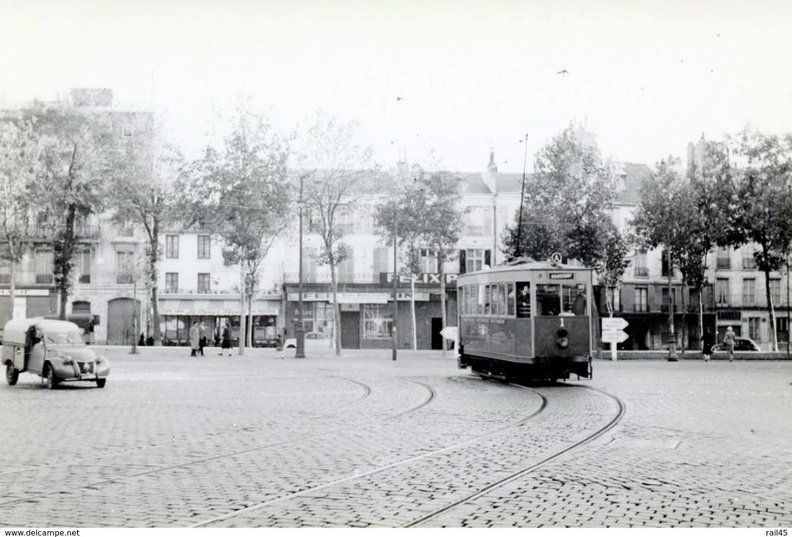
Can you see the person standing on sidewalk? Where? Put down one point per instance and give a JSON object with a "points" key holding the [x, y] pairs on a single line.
{"points": [[708, 341], [729, 340], [226, 344], [194, 339], [201, 338]]}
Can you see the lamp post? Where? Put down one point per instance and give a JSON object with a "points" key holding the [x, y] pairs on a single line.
{"points": [[395, 286], [672, 356], [299, 329]]}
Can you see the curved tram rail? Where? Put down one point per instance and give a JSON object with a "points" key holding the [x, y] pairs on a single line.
{"points": [[528, 469]]}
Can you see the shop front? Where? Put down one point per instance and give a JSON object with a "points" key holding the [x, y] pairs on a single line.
{"points": [[367, 314], [177, 316]]}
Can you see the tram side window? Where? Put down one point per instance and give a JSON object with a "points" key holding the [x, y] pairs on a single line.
{"points": [[575, 299], [510, 298], [480, 299], [466, 300], [548, 299], [495, 306], [487, 300], [501, 299], [523, 299]]}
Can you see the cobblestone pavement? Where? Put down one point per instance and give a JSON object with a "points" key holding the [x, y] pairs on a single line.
{"points": [[363, 441]]}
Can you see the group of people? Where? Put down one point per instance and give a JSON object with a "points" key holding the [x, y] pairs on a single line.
{"points": [[199, 339], [708, 339]]}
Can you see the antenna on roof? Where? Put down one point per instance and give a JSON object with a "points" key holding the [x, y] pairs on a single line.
{"points": [[522, 197]]}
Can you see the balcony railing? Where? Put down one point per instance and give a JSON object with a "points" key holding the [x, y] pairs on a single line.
{"points": [[723, 263], [641, 308], [664, 308], [757, 300], [641, 272], [81, 231], [749, 263], [44, 278], [85, 278]]}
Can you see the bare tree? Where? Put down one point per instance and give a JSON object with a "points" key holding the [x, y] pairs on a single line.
{"points": [[338, 173]]}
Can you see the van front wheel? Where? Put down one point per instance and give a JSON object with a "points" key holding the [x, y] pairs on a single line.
{"points": [[12, 374], [52, 380]]}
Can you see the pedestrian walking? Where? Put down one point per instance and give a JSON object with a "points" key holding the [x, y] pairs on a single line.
{"points": [[202, 341], [708, 342], [226, 343], [195, 337], [729, 339], [89, 332]]}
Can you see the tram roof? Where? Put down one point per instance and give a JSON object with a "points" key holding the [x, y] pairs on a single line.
{"points": [[528, 265]]}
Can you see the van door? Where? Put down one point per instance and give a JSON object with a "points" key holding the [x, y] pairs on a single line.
{"points": [[19, 357]]}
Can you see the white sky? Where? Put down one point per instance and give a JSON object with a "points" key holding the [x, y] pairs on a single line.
{"points": [[645, 76]]}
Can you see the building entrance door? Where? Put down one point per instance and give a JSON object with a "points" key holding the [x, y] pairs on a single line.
{"points": [[437, 339], [121, 321], [350, 329]]}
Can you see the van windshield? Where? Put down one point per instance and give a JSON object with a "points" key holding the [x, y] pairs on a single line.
{"points": [[64, 337]]}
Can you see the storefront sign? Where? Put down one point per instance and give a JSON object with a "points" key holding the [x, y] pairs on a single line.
{"points": [[424, 279], [344, 297], [25, 292], [419, 296], [561, 275]]}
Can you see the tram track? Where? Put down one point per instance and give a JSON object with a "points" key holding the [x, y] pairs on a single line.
{"points": [[431, 394], [528, 469], [380, 469]]}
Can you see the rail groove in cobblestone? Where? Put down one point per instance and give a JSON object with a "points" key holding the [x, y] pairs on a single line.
{"points": [[309, 491], [522, 472]]}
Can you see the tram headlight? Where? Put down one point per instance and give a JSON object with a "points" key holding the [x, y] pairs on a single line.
{"points": [[562, 338]]}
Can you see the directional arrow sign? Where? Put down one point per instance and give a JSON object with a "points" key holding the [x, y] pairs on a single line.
{"points": [[614, 323], [614, 336]]}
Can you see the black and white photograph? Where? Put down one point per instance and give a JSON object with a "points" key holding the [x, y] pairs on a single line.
{"points": [[506, 264]]}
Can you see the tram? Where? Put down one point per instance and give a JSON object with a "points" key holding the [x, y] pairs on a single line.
{"points": [[529, 320]]}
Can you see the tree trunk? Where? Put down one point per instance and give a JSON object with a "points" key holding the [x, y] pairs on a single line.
{"points": [[66, 254], [153, 271], [249, 330], [701, 315], [336, 311], [241, 309], [12, 279], [769, 295]]}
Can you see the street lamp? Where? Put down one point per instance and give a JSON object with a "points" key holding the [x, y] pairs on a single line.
{"points": [[299, 329], [395, 285]]}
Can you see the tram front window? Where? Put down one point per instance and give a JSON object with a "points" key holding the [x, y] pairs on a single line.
{"points": [[548, 299]]}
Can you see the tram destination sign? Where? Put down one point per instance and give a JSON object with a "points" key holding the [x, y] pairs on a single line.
{"points": [[561, 275]]}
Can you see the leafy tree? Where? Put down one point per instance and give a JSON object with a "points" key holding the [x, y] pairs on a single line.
{"points": [[338, 172], [661, 216], [242, 194], [19, 168], [567, 202], [76, 148], [428, 213], [763, 212], [145, 192], [615, 260]]}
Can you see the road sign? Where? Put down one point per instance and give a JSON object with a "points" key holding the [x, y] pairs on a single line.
{"points": [[614, 336], [614, 323]]}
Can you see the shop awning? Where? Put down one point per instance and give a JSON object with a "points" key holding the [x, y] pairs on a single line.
{"points": [[220, 308]]}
